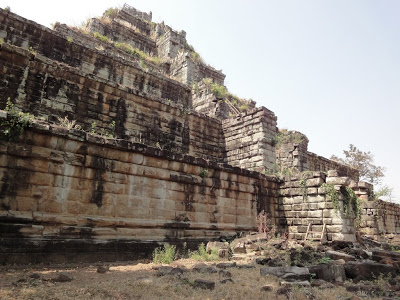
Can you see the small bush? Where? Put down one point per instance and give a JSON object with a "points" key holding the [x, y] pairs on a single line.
{"points": [[111, 12], [70, 39], [201, 254], [101, 37], [16, 122], [137, 53], [164, 255], [204, 173]]}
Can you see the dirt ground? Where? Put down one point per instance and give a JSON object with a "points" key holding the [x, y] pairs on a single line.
{"points": [[139, 280]]}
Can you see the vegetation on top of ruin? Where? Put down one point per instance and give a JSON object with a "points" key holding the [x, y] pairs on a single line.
{"points": [[129, 49], [285, 136], [222, 93], [111, 12]]}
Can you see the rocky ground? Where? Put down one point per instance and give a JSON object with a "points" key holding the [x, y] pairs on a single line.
{"points": [[252, 267]]}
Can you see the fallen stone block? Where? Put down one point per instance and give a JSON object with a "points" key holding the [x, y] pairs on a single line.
{"points": [[296, 283], [340, 255], [63, 277], [204, 284], [226, 265], [329, 272], [102, 269], [288, 273], [368, 269], [203, 268]]}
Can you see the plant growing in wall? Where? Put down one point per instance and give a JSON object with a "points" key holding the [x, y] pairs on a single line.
{"points": [[303, 185], [350, 201], [204, 173], [69, 124], [16, 122]]}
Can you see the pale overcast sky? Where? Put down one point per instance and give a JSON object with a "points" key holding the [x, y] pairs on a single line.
{"points": [[330, 69]]}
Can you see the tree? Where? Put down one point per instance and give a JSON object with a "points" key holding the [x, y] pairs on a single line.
{"points": [[363, 162]]}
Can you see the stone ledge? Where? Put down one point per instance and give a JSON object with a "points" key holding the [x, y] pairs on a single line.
{"points": [[120, 144]]}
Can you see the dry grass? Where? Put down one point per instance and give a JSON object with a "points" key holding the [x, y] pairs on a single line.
{"points": [[139, 281]]}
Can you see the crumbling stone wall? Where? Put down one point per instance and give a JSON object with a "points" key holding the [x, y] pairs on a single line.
{"points": [[205, 102], [114, 66], [304, 200], [147, 17], [189, 71], [47, 89], [293, 157], [318, 163], [291, 152], [141, 20], [380, 218], [121, 33], [249, 139], [65, 191]]}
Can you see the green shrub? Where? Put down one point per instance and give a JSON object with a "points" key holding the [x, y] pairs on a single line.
{"points": [[219, 91], [137, 53], [16, 122], [164, 255], [111, 12], [201, 254], [204, 173], [101, 37]]}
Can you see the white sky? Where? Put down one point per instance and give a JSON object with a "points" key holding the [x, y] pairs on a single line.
{"points": [[329, 69]]}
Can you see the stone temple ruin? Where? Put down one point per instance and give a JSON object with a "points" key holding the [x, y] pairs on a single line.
{"points": [[136, 141]]}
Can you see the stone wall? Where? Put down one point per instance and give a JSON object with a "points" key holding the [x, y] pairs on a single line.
{"points": [[380, 218], [120, 32], [189, 71], [47, 89], [147, 17], [139, 20], [293, 156], [249, 139], [65, 191], [303, 200], [319, 163], [112, 65], [291, 152], [205, 102]]}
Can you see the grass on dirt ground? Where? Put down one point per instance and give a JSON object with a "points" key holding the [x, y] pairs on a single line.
{"points": [[139, 281]]}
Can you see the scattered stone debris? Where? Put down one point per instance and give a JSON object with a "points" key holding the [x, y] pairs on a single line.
{"points": [[102, 269], [204, 284], [63, 277], [35, 276]]}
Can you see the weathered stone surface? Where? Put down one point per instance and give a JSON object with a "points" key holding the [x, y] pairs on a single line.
{"points": [[204, 284], [162, 171], [329, 272], [226, 265], [368, 269], [102, 269], [267, 288], [216, 246], [239, 248], [288, 273], [164, 270], [63, 277], [203, 268], [339, 255]]}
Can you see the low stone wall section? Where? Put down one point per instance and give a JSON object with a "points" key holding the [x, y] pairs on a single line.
{"points": [[303, 200]]}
